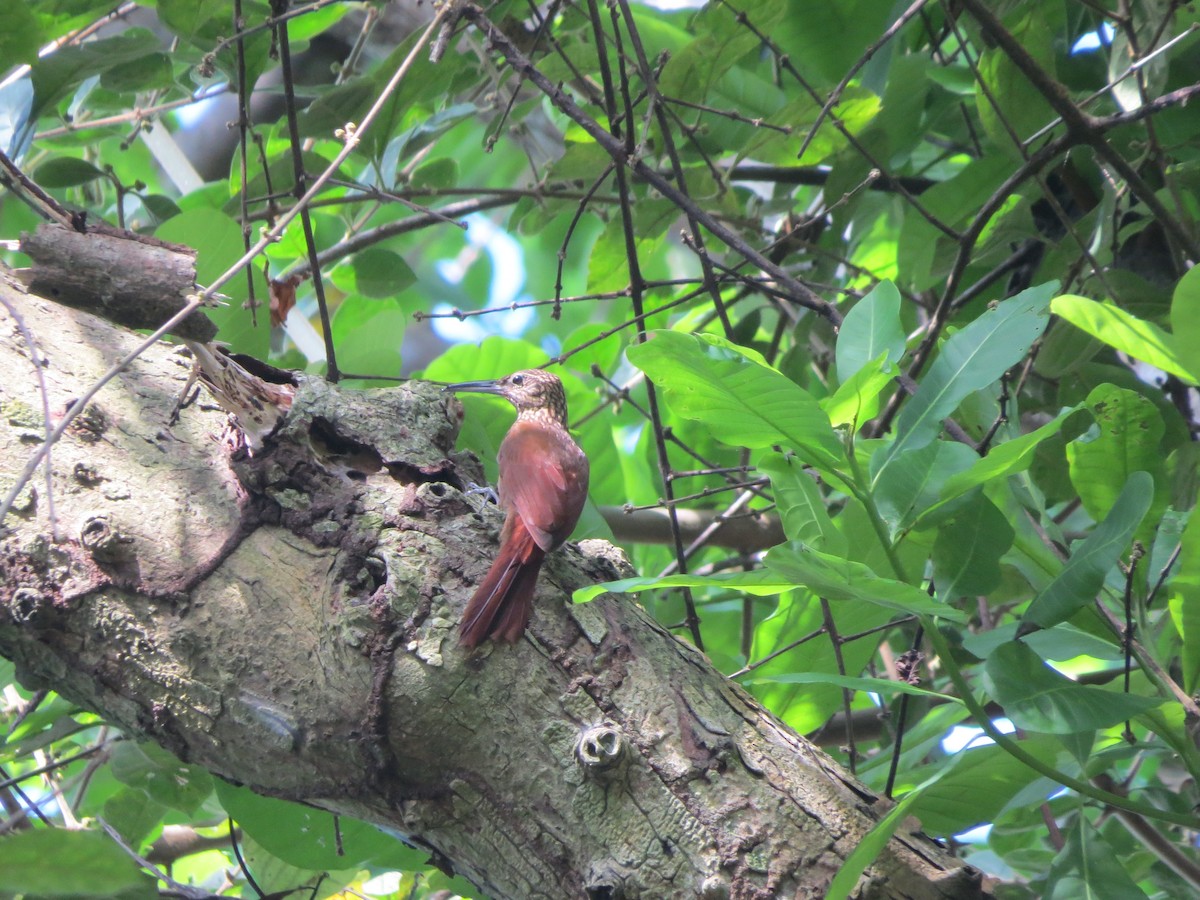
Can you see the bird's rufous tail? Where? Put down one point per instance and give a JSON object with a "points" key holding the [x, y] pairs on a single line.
{"points": [[503, 602]]}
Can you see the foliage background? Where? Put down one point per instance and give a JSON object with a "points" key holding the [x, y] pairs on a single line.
{"points": [[920, 285]]}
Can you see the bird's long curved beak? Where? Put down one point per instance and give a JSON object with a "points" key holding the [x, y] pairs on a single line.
{"points": [[476, 387]]}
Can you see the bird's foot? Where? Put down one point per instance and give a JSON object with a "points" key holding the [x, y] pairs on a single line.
{"points": [[489, 494]]}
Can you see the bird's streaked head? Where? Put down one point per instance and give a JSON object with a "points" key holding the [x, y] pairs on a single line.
{"points": [[531, 391]]}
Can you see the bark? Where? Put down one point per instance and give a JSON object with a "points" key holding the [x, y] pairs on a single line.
{"points": [[288, 621]]}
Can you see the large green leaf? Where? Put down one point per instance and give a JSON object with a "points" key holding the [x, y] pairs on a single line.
{"points": [[857, 400], [217, 240], [979, 787], [57, 75], [1037, 698], [1185, 310], [966, 554], [1088, 868], [57, 862], [872, 327], [1185, 604], [734, 391], [800, 504], [1006, 459], [970, 360], [1010, 107], [1083, 574], [308, 838], [21, 36], [914, 481], [160, 775], [834, 578], [1127, 439], [1125, 332]]}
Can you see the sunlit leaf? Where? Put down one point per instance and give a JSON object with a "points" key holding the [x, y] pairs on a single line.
{"points": [[1185, 604], [834, 578], [709, 380], [1005, 459], [969, 361], [757, 582], [1129, 334], [872, 327], [858, 399]]}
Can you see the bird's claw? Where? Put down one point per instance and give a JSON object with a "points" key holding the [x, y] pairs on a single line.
{"points": [[487, 491]]}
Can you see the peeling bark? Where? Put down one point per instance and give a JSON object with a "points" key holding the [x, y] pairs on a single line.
{"points": [[288, 620]]}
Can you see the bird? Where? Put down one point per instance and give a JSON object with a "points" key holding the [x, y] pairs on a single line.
{"points": [[542, 489], [258, 404]]}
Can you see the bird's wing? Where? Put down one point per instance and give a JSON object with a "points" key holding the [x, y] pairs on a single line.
{"points": [[540, 480]]}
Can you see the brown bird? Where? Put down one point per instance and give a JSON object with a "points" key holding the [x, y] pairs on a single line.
{"points": [[543, 484]]}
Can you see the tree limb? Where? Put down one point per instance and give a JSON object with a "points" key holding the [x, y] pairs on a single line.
{"points": [[287, 621]]}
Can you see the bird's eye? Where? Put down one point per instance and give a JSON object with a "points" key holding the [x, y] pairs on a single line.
{"points": [[518, 379]]}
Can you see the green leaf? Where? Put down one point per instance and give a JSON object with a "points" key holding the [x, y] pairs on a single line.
{"points": [[1011, 103], [914, 481], [1129, 334], [857, 399], [308, 838], [21, 37], [1081, 578], [152, 71], [437, 173], [56, 862], [869, 846], [368, 335], [132, 814], [758, 582], [871, 328], [834, 578], [1089, 868], [379, 272], [882, 686], [970, 360], [750, 404], [1185, 604], [188, 17], [161, 776], [800, 504], [65, 171], [695, 70], [807, 34], [981, 786], [1130, 434], [57, 75], [217, 240], [1004, 460], [1037, 698], [966, 554], [1185, 310]]}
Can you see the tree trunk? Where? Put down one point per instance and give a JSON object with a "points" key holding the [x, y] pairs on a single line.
{"points": [[288, 621]]}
